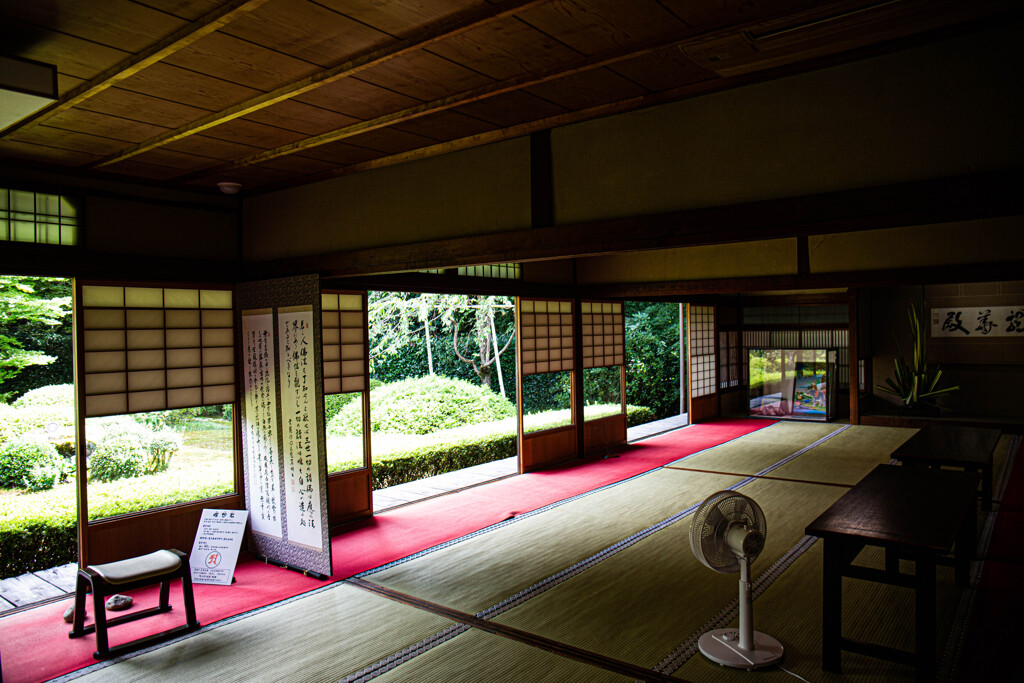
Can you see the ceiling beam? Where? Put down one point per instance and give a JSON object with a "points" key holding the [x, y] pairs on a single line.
{"points": [[182, 38], [982, 195], [463, 22]]}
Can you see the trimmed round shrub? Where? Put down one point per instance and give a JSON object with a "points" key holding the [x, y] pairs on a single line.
{"points": [[423, 405], [129, 449], [51, 395], [31, 463], [19, 421]]}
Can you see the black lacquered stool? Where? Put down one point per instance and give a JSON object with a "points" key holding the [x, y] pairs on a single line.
{"points": [[104, 580]]}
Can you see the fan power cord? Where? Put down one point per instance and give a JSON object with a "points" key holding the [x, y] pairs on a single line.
{"points": [[793, 674]]}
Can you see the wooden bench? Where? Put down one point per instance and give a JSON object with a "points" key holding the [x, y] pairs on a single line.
{"points": [[104, 580]]}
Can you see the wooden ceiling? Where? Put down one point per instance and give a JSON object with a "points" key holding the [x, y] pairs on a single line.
{"points": [[271, 93]]}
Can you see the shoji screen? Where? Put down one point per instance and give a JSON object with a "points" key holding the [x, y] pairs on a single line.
{"points": [[156, 348], [344, 332], [702, 350], [604, 334], [546, 331]]}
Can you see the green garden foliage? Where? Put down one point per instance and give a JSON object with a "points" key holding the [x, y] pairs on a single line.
{"points": [[49, 395], [421, 406], [130, 449], [652, 357], [35, 333], [33, 464], [38, 540]]}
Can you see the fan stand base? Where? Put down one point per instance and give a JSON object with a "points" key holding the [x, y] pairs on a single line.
{"points": [[722, 646]]}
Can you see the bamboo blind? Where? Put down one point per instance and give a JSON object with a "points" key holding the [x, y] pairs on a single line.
{"points": [[545, 335], [344, 342], [156, 348], [604, 334]]}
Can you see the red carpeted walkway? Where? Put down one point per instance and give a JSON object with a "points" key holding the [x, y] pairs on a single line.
{"points": [[34, 645]]}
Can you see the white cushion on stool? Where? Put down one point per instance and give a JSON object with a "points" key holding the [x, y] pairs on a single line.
{"points": [[136, 568]]}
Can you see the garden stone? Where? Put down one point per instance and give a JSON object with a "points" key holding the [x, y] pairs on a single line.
{"points": [[119, 602], [69, 614]]}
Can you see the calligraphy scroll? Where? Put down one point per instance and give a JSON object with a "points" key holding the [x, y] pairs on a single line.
{"points": [[283, 448], [298, 381], [259, 423], [978, 322]]}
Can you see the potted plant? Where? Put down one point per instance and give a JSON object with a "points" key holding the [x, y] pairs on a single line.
{"points": [[916, 382]]}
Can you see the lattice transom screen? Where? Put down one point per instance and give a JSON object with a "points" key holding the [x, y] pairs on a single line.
{"points": [[156, 348], [546, 335], [604, 334], [344, 331], [702, 350]]}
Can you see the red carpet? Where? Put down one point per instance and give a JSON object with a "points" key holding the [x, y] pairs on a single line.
{"points": [[34, 645]]}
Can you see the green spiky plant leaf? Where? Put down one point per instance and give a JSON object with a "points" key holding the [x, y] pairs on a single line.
{"points": [[915, 380]]}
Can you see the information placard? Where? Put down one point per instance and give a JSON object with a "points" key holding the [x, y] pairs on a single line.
{"points": [[215, 550]]}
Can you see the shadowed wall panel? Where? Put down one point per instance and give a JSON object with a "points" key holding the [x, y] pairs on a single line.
{"points": [[134, 227], [940, 110], [769, 257], [477, 191], [994, 239]]}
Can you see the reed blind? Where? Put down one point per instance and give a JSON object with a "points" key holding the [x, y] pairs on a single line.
{"points": [[604, 334], [156, 348], [343, 322], [546, 335]]}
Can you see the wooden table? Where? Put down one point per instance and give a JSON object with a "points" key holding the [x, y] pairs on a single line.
{"points": [[965, 447], [912, 513]]}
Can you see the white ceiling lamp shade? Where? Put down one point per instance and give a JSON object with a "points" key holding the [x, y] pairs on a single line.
{"points": [[25, 88]]}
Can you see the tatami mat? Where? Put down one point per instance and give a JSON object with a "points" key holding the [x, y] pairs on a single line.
{"points": [[476, 656], [536, 547], [323, 636], [641, 603], [758, 450]]}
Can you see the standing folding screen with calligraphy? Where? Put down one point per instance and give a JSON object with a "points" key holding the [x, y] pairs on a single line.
{"points": [[284, 454]]}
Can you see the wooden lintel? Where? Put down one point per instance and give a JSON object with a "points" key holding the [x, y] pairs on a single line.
{"points": [[983, 195], [688, 289], [156, 52], [63, 261], [462, 23]]}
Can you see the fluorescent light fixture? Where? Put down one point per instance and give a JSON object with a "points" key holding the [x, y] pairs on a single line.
{"points": [[25, 88]]}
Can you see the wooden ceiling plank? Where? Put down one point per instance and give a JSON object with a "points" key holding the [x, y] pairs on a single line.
{"points": [[136, 63], [461, 23], [577, 66], [120, 24]]}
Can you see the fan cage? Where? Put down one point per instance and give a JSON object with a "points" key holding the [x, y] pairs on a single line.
{"points": [[716, 514]]}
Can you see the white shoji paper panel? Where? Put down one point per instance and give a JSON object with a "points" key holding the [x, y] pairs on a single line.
{"points": [[156, 348], [343, 321], [546, 336]]}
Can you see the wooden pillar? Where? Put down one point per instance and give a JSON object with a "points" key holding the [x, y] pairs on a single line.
{"points": [[853, 354]]}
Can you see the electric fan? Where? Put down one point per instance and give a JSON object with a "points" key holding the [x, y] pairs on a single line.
{"points": [[728, 532]]}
